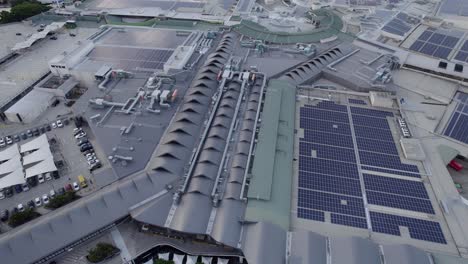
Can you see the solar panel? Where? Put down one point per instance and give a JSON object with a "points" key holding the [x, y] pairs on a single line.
{"points": [[417, 45], [370, 112], [428, 48], [373, 133], [378, 146], [325, 126], [310, 214], [357, 101], [425, 35], [457, 127], [327, 152], [401, 202], [461, 56], [442, 52], [328, 138], [450, 41], [331, 202], [308, 112], [329, 183], [329, 167], [347, 220], [436, 38], [370, 122], [418, 229], [395, 186], [385, 161], [465, 46], [390, 171]]}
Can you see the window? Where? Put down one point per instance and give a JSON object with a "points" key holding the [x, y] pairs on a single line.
{"points": [[442, 64], [458, 68]]}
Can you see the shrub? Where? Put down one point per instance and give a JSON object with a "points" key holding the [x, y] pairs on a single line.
{"points": [[162, 261], [61, 200], [101, 252], [20, 218]]}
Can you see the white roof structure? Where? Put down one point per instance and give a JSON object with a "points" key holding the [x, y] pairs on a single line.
{"points": [[35, 144], [41, 155], [9, 153], [11, 170], [178, 259], [54, 26], [47, 165], [30, 106], [191, 259]]}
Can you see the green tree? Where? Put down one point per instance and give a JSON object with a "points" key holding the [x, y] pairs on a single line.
{"points": [[162, 261], [101, 252], [61, 200], [20, 218], [22, 10]]}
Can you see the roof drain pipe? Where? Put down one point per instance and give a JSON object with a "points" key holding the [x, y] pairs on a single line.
{"points": [[254, 134], [214, 193]]}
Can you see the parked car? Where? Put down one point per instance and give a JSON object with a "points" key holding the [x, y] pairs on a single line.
{"points": [[5, 215], [59, 123], [29, 133], [53, 38], [2, 142], [83, 141], [9, 191], [24, 136], [95, 166], [42, 129], [48, 176], [40, 178], [54, 125], [52, 194], [31, 204], [48, 128], [45, 199], [72, 35], [66, 122], [25, 187], [77, 130], [9, 140], [36, 132], [56, 175], [16, 138], [80, 135], [38, 202], [61, 191], [56, 101], [68, 187], [455, 165], [86, 147], [19, 33], [32, 181], [76, 187], [18, 188], [20, 208]]}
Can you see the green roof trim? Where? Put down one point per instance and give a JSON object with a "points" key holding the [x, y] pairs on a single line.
{"points": [[270, 185]]}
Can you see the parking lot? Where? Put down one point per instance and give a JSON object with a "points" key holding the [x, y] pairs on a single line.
{"points": [[70, 162]]}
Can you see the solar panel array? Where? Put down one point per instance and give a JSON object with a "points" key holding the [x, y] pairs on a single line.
{"points": [[462, 54], [436, 43], [131, 58], [357, 101], [398, 25], [454, 7], [457, 127], [329, 180]]}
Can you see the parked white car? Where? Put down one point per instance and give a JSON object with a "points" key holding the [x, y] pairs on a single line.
{"points": [[45, 199]]}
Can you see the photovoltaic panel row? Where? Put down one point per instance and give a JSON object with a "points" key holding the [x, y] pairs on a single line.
{"points": [[329, 105], [431, 49], [370, 122], [373, 133], [395, 186], [356, 101], [397, 26], [324, 115], [328, 138], [310, 214], [331, 203], [370, 112], [325, 126], [401, 202], [418, 229], [329, 167], [385, 161], [463, 97], [367, 144], [458, 127], [347, 220], [329, 183], [327, 152], [390, 171]]}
